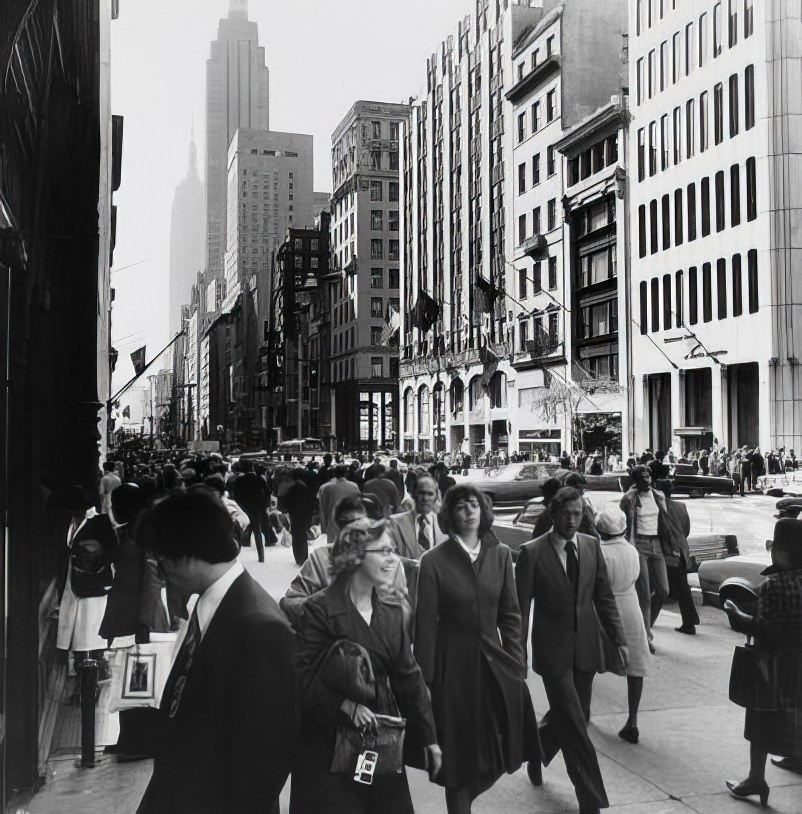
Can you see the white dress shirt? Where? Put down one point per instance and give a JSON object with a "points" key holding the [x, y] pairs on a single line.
{"points": [[473, 553], [559, 546]]}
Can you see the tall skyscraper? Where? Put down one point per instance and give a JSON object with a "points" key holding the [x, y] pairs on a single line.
{"points": [[187, 232], [237, 96]]}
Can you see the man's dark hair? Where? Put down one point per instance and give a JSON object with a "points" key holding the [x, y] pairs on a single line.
{"points": [[638, 473], [379, 470], [245, 465], [216, 482], [352, 503], [189, 524], [565, 495], [327, 459], [550, 488], [127, 501], [431, 478], [108, 466], [340, 471], [576, 479]]}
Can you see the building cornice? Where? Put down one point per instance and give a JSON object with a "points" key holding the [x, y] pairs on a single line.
{"points": [[612, 116], [536, 77]]}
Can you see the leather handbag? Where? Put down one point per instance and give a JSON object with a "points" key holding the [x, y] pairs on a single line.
{"points": [[754, 679], [387, 744]]}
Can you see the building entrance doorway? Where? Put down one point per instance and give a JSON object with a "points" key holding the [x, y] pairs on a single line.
{"points": [[658, 392], [743, 386]]}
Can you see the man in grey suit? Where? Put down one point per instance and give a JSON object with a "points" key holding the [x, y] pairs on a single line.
{"points": [[564, 573], [330, 494], [418, 530]]}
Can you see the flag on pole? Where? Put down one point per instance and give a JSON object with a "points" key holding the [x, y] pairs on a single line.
{"points": [[127, 412], [138, 360], [392, 324], [425, 312], [484, 295], [489, 360]]}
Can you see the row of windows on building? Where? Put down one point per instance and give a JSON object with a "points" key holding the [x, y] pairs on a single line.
{"points": [[597, 157], [534, 284], [540, 328], [682, 126], [537, 225], [344, 370], [674, 301], [378, 130], [377, 220], [534, 59], [655, 225], [649, 12], [551, 169], [547, 104]]}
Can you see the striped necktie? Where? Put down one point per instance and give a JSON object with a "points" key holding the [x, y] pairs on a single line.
{"points": [[183, 662], [423, 533]]}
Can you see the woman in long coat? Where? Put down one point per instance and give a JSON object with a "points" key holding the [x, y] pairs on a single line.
{"points": [[623, 570], [362, 560], [777, 628], [468, 644]]}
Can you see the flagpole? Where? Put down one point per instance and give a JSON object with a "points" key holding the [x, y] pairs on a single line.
{"points": [[131, 382]]}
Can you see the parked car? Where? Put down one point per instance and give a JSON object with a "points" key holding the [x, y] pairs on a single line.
{"points": [[789, 507], [736, 578], [687, 480], [513, 483]]}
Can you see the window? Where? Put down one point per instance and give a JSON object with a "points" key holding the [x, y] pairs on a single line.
{"points": [[690, 120], [754, 304], [679, 296], [749, 97], [721, 288], [599, 320], [652, 73], [737, 287], [666, 222], [375, 335], [641, 154], [678, 232], [705, 207], [375, 159], [718, 113], [639, 17], [597, 267], [377, 249], [536, 230], [550, 45], [733, 22], [693, 296], [734, 105], [377, 278], [392, 220], [521, 178], [521, 127], [393, 278], [717, 31], [393, 249], [642, 231], [676, 62], [551, 105], [664, 142], [392, 189], [749, 18], [376, 129], [666, 302], [521, 228], [644, 304], [655, 309], [550, 167], [393, 131], [720, 209], [689, 49], [663, 65], [611, 150], [677, 135], [702, 39], [537, 280], [393, 159], [377, 307], [552, 213], [535, 169], [703, 129], [376, 220], [521, 68], [375, 190], [653, 224], [552, 273], [652, 148], [735, 194], [376, 370], [535, 57], [554, 327], [535, 117], [707, 293], [522, 284], [751, 189]]}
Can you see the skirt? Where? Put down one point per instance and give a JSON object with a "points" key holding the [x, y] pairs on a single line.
{"points": [[778, 733]]}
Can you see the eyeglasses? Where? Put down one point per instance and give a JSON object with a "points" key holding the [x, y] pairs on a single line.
{"points": [[385, 551]]}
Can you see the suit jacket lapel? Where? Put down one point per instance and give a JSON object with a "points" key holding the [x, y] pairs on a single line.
{"points": [[555, 557]]}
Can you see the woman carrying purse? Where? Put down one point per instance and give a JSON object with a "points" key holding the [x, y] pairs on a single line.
{"points": [[339, 702], [777, 630]]}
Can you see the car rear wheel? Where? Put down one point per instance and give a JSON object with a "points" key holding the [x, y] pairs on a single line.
{"points": [[742, 597]]}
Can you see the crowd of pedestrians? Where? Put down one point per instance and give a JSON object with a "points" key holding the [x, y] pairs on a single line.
{"points": [[412, 611]]}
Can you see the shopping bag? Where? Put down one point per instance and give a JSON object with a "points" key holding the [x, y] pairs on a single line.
{"points": [[139, 674]]}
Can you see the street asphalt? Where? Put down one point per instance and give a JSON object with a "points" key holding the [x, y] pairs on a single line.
{"points": [[691, 736]]}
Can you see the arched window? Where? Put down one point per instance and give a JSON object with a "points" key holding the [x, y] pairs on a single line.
{"points": [[409, 411], [439, 405], [475, 393], [423, 410], [457, 394], [498, 390]]}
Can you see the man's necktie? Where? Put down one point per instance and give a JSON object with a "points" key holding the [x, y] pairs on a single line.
{"points": [[183, 662], [572, 564], [423, 536]]}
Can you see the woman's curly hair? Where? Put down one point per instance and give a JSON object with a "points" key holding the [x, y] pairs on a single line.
{"points": [[349, 550], [464, 491]]}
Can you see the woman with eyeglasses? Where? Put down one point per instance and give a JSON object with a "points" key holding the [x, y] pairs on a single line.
{"points": [[468, 644], [356, 607]]}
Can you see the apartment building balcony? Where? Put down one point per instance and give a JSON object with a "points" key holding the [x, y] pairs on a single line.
{"points": [[546, 353], [533, 246]]}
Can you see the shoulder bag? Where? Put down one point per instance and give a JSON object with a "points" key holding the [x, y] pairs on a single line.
{"points": [[765, 680]]}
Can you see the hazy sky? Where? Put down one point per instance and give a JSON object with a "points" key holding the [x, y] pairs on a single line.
{"points": [[323, 55]]}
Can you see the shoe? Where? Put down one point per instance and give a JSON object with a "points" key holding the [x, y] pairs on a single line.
{"points": [[749, 788], [690, 630], [651, 648], [790, 764], [629, 733], [535, 772]]}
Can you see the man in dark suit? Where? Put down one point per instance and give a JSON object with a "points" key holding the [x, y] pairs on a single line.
{"points": [[564, 573], [229, 714], [418, 530], [383, 488], [251, 492]]}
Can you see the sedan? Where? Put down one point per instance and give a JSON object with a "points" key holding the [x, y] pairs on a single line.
{"points": [[514, 483], [736, 578]]}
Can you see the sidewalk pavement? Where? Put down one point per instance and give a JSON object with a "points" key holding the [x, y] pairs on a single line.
{"points": [[691, 739]]}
